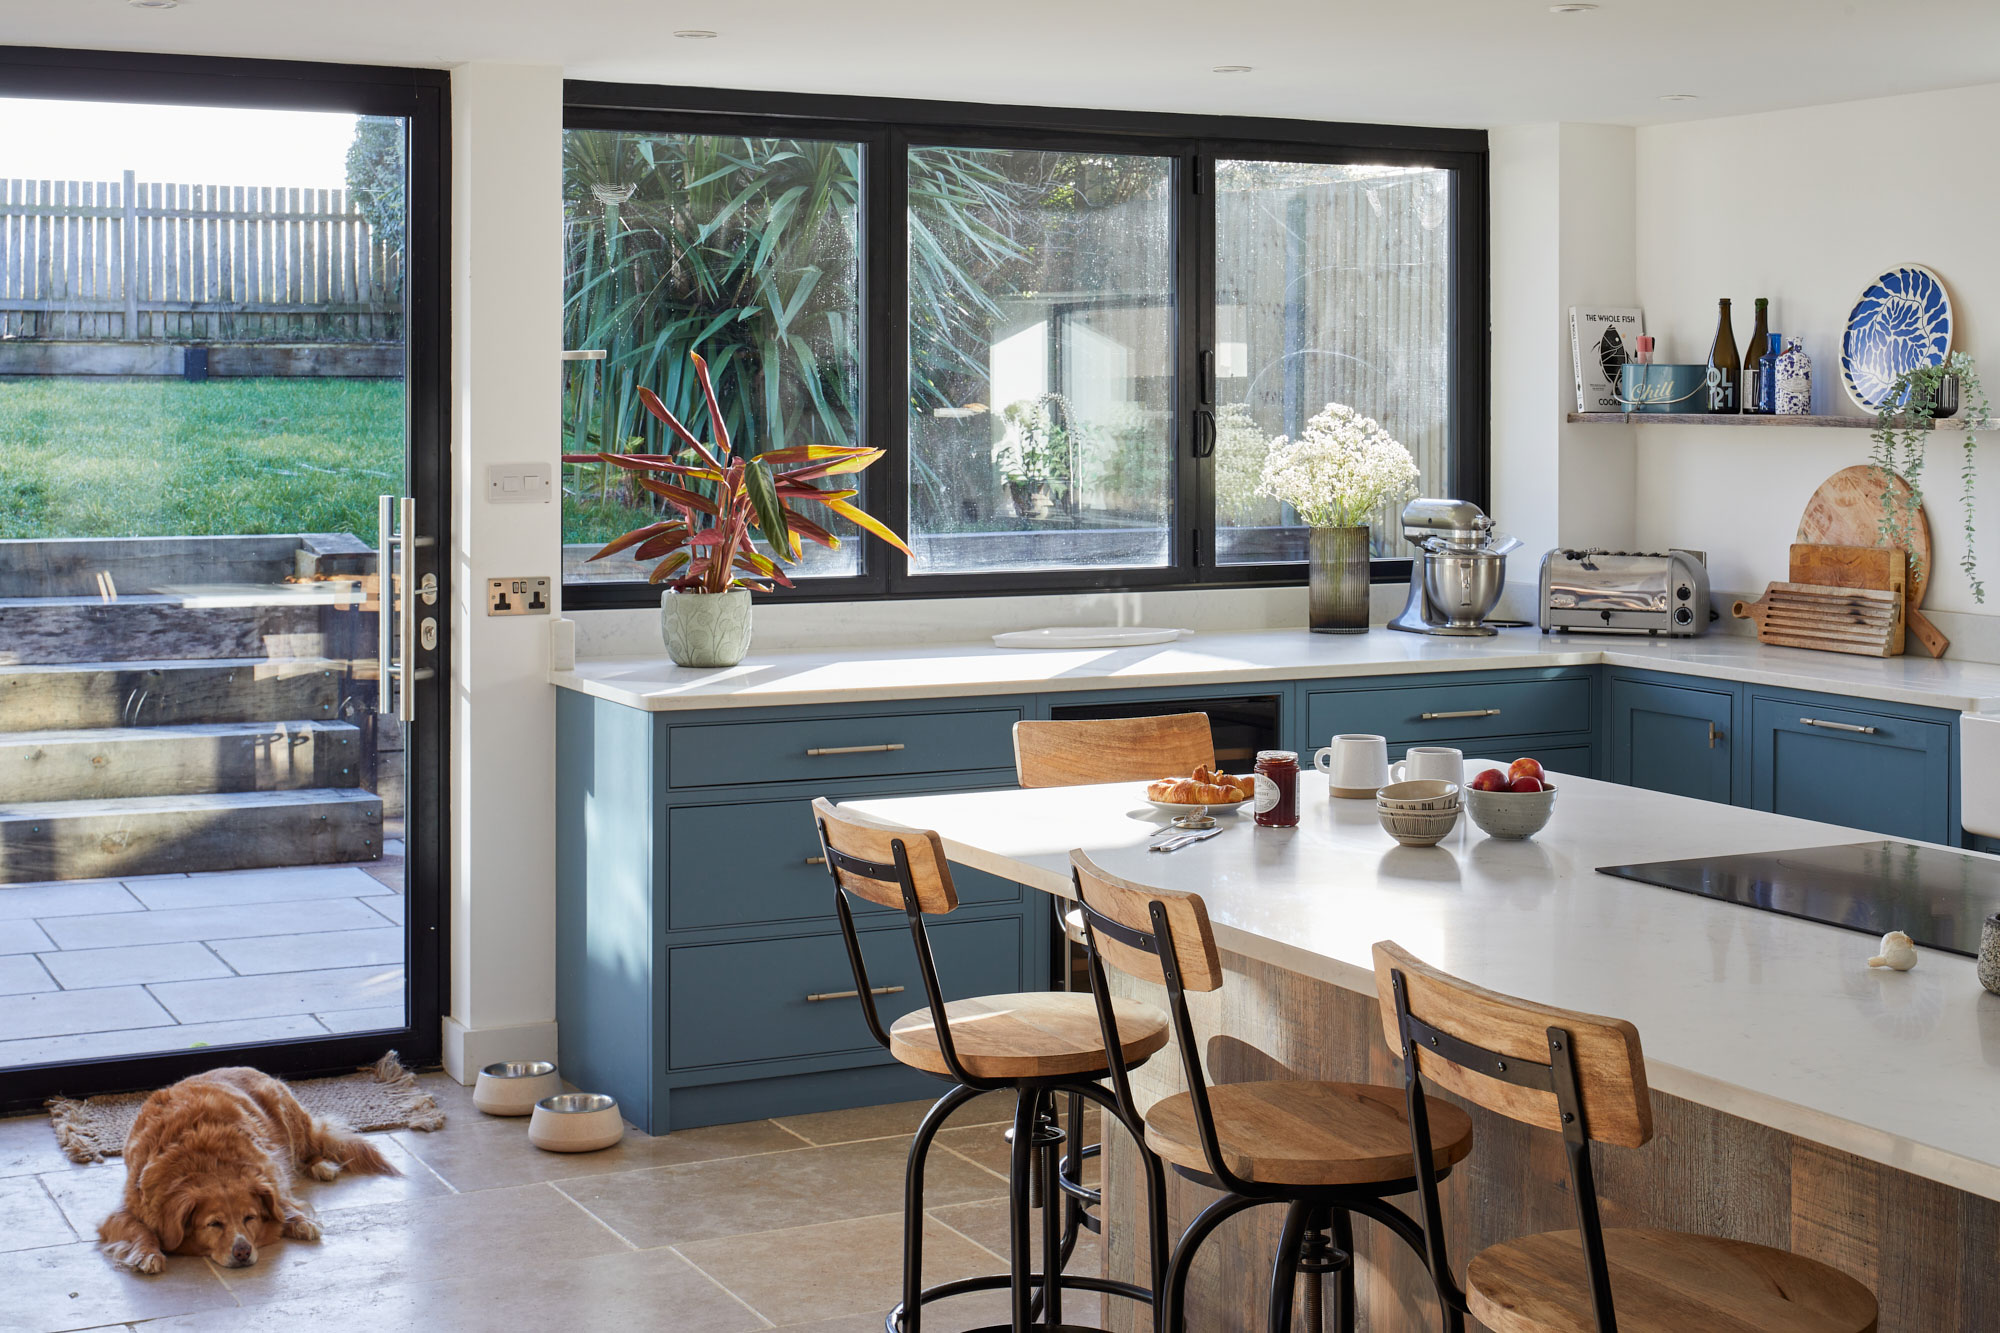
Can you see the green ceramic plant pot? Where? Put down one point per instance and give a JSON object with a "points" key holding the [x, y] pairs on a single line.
{"points": [[706, 629]]}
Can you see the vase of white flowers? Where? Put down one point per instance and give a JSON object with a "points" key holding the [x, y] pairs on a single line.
{"points": [[1337, 475]]}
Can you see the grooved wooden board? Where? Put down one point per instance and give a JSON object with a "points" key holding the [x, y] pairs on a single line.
{"points": [[1865, 621], [1847, 510]]}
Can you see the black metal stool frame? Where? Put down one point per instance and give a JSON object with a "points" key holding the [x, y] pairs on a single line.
{"points": [[1317, 1236], [1037, 1298], [1558, 1076]]}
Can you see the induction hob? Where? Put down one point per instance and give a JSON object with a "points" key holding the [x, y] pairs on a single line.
{"points": [[1937, 897]]}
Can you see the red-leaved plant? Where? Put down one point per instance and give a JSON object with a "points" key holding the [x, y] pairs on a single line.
{"points": [[734, 495]]}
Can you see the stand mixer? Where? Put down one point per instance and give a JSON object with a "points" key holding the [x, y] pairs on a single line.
{"points": [[1459, 572]]}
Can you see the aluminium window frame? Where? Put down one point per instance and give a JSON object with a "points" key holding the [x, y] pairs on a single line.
{"points": [[887, 128]]}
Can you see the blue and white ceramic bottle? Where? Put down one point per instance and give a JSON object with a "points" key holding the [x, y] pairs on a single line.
{"points": [[1794, 376]]}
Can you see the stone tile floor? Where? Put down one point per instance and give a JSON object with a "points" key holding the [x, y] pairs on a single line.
{"points": [[101, 967], [791, 1223]]}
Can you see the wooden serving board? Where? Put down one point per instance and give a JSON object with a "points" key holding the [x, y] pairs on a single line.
{"points": [[1847, 509], [1865, 621]]}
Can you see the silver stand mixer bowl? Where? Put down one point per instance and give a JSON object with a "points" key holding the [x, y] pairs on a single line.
{"points": [[1464, 586]]}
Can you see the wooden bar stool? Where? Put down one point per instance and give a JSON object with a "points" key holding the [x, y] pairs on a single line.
{"points": [[1038, 1044], [1077, 752], [1584, 1077], [1325, 1150]]}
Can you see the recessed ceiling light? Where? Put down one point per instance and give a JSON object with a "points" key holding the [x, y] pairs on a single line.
{"points": [[1571, 9], [694, 34], [1233, 69], [154, 4], [1680, 97]]}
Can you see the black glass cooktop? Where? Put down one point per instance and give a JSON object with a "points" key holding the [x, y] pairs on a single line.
{"points": [[1937, 897]]}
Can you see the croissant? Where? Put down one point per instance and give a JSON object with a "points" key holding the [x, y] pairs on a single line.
{"points": [[1206, 787]]}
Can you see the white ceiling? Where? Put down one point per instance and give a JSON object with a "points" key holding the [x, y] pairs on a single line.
{"points": [[1438, 62]]}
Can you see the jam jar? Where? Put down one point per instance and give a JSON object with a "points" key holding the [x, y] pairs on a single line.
{"points": [[1277, 801]]}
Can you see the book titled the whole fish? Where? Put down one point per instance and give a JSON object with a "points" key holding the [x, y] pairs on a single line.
{"points": [[1600, 341]]}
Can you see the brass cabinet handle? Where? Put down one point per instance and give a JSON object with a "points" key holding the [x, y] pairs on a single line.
{"points": [[1713, 735], [1837, 726], [815, 860], [817, 996], [855, 749], [1467, 712]]}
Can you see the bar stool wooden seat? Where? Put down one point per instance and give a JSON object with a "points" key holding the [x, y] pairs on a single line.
{"points": [[1038, 1045], [1325, 1150], [1584, 1077], [1077, 752]]}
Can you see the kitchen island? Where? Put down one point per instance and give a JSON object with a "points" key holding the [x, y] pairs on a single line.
{"points": [[1802, 1099]]}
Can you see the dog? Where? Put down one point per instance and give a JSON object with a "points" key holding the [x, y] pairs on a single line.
{"points": [[209, 1168]]}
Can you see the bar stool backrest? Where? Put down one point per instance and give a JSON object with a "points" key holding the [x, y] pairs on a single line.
{"points": [[1579, 1074], [1162, 936], [1073, 752], [891, 866]]}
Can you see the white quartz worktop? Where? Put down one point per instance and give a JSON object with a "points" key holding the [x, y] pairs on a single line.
{"points": [[886, 671], [1761, 1016]]}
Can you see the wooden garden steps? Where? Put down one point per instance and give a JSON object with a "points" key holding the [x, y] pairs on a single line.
{"points": [[168, 692], [150, 835], [280, 620], [185, 760]]}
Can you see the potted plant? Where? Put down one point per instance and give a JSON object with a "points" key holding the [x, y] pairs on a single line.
{"points": [[1904, 425], [706, 551], [1035, 459], [1341, 469]]}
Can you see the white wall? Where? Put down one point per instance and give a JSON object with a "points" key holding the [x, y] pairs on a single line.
{"points": [[1805, 207], [506, 331]]}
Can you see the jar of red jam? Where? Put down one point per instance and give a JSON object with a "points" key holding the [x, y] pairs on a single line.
{"points": [[1277, 802]]}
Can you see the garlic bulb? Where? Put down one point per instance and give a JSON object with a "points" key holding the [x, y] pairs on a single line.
{"points": [[1897, 951]]}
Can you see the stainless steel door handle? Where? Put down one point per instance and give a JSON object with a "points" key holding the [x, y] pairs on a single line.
{"points": [[818, 997], [397, 635], [1837, 726], [855, 749], [1467, 712]]}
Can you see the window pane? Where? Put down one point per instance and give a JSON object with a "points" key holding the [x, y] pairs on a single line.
{"points": [[1041, 354], [1332, 286], [741, 249]]}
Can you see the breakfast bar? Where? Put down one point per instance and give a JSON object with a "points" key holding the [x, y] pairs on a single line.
{"points": [[1802, 1099]]}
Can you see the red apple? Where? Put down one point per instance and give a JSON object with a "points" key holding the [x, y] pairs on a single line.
{"points": [[1491, 780], [1525, 783], [1527, 768]]}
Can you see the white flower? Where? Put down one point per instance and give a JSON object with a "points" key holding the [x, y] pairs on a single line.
{"points": [[1340, 470]]}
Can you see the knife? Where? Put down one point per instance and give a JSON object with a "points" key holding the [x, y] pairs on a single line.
{"points": [[1175, 844]]}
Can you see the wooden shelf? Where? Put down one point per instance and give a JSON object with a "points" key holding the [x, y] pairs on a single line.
{"points": [[1743, 419]]}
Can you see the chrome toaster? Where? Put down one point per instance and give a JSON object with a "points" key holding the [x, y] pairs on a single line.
{"points": [[1625, 592]]}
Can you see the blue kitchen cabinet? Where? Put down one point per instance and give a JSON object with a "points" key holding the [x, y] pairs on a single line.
{"points": [[1888, 768], [700, 968], [1672, 738]]}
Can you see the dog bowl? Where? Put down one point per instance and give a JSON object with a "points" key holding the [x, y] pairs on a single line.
{"points": [[512, 1087], [1417, 828], [1510, 814], [1418, 794], [576, 1122]]}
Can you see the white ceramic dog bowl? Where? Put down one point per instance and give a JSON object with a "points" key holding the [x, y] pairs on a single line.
{"points": [[1510, 814], [576, 1122], [512, 1087]]}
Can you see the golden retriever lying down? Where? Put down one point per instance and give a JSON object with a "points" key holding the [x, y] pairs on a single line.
{"points": [[208, 1170]]}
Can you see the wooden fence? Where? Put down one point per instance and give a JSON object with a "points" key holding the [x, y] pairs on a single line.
{"points": [[141, 261]]}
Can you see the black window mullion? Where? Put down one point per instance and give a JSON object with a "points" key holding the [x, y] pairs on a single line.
{"points": [[1196, 239], [886, 228], [1469, 318]]}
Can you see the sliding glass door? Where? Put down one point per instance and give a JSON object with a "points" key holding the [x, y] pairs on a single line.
{"points": [[220, 722]]}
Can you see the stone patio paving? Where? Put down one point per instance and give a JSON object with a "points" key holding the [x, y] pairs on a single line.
{"points": [[92, 968]]}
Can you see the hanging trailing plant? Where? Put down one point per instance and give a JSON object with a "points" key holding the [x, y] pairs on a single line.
{"points": [[1904, 422]]}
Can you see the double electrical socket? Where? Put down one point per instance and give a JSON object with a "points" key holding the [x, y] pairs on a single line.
{"points": [[517, 597]]}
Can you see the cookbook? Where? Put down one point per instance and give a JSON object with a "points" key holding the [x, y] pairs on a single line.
{"points": [[1600, 341]]}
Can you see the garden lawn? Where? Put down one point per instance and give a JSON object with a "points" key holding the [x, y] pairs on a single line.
{"points": [[101, 457]]}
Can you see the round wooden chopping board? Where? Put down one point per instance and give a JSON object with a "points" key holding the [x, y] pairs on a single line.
{"points": [[1846, 510]]}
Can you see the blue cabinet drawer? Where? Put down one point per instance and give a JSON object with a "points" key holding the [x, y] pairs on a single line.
{"points": [[744, 1002], [1882, 771], [757, 862], [830, 748], [1441, 711]]}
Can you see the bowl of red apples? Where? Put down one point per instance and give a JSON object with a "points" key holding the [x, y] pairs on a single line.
{"points": [[1514, 802]]}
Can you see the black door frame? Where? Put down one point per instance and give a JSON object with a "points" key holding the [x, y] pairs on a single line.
{"points": [[422, 97]]}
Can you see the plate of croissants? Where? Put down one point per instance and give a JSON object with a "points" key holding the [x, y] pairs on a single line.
{"points": [[1207, 788]]}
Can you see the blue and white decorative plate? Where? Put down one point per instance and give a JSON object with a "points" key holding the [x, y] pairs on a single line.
{"points": [[1902, 321]]}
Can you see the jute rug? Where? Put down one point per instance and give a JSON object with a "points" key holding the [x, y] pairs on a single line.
{"points": [[382, 1096]]}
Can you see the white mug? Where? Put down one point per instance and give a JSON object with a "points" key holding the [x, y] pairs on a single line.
{"points": [[1430, 761], [1354, 765]]}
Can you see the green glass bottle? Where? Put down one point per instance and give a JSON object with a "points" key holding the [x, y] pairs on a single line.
{"points": [[1725, 368], [1753, 362]]}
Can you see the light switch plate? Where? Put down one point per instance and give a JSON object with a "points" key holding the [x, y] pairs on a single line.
{"points": [[518, 483], [517, 597]]}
